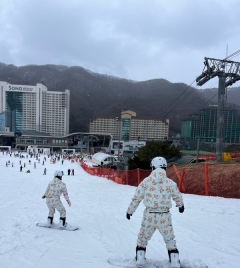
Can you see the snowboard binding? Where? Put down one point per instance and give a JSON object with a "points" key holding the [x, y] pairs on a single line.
{"points": [[50, 220], [63, 221], [140, 256], [174, 258]]}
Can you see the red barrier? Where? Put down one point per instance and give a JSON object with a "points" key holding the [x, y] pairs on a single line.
{"points": [[181, 186], [206, 179], [192, 180], [180, 178], [138, 175], [126, 176]]}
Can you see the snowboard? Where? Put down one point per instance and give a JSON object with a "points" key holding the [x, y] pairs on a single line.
{"points": [[68, 227], [131, 263]]}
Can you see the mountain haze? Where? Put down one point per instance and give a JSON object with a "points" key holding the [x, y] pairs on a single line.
{"points": [[95, 94], [232, 95]]}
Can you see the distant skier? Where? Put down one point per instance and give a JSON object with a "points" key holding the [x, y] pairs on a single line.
{"points": [[20, 168], [45, 171], [53, 192], [69, 171], [156, 192], [72, 172]]}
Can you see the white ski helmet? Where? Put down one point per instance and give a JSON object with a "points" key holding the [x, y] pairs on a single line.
{"points": [[58, 173], [158, 162]]}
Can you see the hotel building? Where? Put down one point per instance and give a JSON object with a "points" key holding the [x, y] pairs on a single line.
{"points": [[129, 127], [203, 125], [25, 107]]}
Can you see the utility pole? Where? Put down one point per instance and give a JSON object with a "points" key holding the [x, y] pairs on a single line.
{"points": [[119, 136], [198, 148], [118, 119], [198, 142], [228, 73], [220, 116]]}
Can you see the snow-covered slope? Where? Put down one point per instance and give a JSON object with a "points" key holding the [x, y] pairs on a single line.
{"points": [[208, 230]]}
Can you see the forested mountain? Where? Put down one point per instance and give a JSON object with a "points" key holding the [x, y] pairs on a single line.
{"points": [[95, 94], [232, 95]]}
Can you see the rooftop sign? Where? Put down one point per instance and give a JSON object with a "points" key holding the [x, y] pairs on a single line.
{"points": [[20, 88]]}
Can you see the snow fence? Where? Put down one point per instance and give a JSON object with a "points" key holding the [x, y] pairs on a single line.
{"points": [[200, 179]]}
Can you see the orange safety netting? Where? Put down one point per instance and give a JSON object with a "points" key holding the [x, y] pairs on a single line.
{"points": [[203, 179]]}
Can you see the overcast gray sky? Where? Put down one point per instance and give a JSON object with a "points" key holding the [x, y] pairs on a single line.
{"points": [[133, 39]]}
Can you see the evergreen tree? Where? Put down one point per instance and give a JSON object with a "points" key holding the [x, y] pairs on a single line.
{"points": [[151, 150]]}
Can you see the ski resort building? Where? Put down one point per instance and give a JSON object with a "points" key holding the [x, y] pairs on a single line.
{"points": [[130, 127], [203, 125], [25, 107]]}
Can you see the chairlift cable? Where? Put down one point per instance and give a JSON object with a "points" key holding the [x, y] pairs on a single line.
{"points": [[178, 103], [233, 55], [174, 103]]}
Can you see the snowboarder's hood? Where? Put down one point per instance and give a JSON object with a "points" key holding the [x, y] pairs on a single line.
{"points": [[157, 175]]}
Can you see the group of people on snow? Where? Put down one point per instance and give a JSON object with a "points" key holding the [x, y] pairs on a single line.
{"points": [[53, 158], [71, 171], [156, 191]]}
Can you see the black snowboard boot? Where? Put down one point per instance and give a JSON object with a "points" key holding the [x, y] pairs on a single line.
{"points": [[50, 220], [174, 258], [63, 221], [140, 256]]}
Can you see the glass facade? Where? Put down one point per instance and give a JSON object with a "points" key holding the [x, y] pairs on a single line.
{"points": [[126, 129], [14, 104], [186, 129], [2, 122], [208, 124], [204, 126]]}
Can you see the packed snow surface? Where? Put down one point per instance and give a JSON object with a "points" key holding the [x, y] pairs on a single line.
{"points": [[208, 230]]}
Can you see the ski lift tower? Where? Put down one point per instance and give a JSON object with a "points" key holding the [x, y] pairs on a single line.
{"points": [[228, 73]]}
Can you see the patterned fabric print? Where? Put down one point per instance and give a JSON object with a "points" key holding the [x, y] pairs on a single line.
{"points": [[153, 221], [156, 192], [53, 203], [56, 188], [53, 192]]}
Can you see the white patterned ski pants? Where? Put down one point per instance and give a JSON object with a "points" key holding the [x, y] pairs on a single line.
{"points": [[153, 221], [53, 203]]}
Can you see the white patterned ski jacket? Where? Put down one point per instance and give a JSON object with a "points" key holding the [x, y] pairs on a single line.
{"points": [[55, 188], [156, 191]]}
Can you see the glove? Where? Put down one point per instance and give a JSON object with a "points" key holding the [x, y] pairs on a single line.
{"points": [[181, 209], [128, 216], [43, 196], [69, 203]]}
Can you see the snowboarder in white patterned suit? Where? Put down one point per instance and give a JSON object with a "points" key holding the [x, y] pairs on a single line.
{"points": [[53, 192], [156, 192]]}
